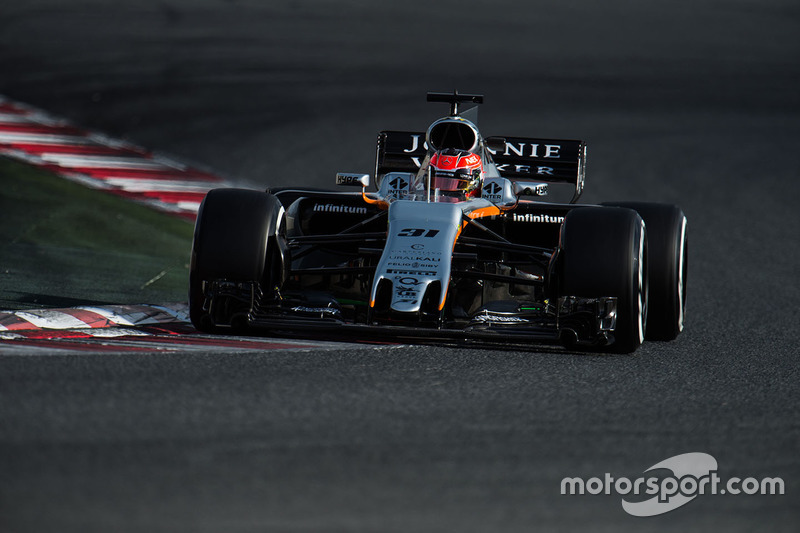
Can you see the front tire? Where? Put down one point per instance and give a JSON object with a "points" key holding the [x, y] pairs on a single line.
{"points": [[604, 253], [235, 240]]}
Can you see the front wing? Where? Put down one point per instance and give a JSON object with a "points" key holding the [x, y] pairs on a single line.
{"points": [[574, 322]]}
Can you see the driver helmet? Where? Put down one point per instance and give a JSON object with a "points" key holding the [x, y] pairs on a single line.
{"points": [[456, 172]]}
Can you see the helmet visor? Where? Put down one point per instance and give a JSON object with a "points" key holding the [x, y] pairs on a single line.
{"points": [[447, 181]]}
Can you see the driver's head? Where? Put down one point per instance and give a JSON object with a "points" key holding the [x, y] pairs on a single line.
{"points": [[456, 171]]}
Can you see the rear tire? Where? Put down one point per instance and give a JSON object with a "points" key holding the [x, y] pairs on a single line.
{"points": [[604, 253], [234, 240], [668, 267]]}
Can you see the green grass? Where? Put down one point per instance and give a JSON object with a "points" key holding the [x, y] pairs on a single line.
{"points": [[64, 244]]}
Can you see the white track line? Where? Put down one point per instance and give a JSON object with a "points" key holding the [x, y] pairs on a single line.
{"points": [[101, 161], [188, 206], [139, 315], [14, 118], [45, 139], [51, 319], [137, 185]]}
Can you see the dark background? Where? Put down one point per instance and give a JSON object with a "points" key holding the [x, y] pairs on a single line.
{"points": [[688, 102]]}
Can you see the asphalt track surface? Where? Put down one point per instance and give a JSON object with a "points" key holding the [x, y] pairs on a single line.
{"points": [[694, 103]]}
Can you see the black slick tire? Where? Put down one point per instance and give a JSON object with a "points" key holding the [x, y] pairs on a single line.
{"points": [[604, 253], [232, 241], [668, 267]]}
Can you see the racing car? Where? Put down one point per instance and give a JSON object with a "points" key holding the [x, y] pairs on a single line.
{"points": [[457, 243]]}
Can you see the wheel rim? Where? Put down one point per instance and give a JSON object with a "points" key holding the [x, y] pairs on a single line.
{"points": [[682, 266], [643, 286]]}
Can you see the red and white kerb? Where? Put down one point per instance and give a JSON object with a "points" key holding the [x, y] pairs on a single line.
{"points": [[100, 162]]}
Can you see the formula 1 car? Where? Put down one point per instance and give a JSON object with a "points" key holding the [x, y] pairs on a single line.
{"points": [[456, 245]]}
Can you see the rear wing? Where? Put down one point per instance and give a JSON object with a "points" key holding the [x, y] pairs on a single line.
{"points": [[546, 160], [399, 151]]}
